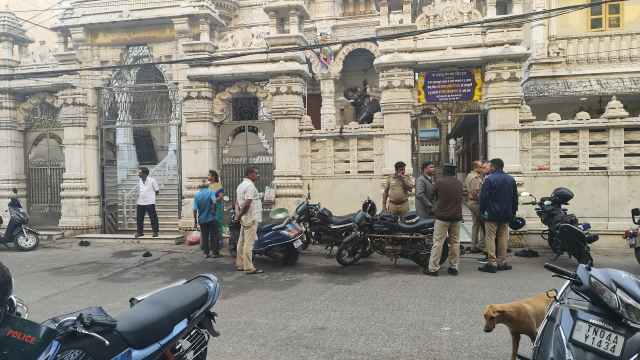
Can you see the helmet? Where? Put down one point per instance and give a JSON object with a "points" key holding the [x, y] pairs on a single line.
{"points": [[6, 286], [517, 223], [562, 195]]}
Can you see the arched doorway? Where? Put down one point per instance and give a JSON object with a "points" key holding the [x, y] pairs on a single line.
{"points": [[45, 170]]}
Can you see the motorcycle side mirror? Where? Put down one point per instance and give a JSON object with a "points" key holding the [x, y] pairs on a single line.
{"points": [[635, 214]]}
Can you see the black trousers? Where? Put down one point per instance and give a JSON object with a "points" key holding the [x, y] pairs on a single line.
{"points": [[209, 235], [147, 209]]}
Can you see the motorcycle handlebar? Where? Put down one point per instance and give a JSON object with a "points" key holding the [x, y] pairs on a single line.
{"points": [[560, 271]]}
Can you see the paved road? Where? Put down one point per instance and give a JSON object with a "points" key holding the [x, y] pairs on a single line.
{"points": [[315, 310]]}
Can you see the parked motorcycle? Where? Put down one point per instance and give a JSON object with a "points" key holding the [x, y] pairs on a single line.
{"points": [[322, 227], [552, 214], [24, 238], [175, 322], [280, 240], [390, 236], [595, 315], [631, 235]]}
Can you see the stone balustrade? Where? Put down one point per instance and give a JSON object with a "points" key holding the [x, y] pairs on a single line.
{"points": [[596, 48]]}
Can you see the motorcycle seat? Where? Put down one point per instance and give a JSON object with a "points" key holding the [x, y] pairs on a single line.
{"points": [[341, 220], [154, 318], [418, 226]]}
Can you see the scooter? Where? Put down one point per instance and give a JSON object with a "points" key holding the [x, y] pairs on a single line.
{"points": [[175, 322], [595, 315], [280, 240], [631, 235], [24, 238]]}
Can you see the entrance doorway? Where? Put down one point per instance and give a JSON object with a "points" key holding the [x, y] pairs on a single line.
{"points": [[45, 171]]}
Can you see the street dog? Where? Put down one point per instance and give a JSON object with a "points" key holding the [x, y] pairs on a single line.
{"points": [[521, 317]]}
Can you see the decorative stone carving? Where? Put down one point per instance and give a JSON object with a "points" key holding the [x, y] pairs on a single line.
{"points": [[244, 38], [503, 72], [582, 87], [447, 12], [525, 115], [73, 104], [554, 117], [26, 108], [582, 115], [615, 110], [338, 62], [396, 78], [286, 86], [222, 100]]}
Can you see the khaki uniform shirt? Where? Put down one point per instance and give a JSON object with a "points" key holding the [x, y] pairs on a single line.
{"points": [[472, 186], [398, 189]]}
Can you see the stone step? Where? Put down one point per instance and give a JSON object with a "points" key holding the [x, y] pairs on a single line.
{"points": [[129, 238]]}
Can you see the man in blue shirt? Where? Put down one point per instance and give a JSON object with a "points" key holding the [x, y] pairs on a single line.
{"points": [[204, 210]]}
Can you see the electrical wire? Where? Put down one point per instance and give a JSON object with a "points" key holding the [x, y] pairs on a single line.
{"points": [[499, 21]]}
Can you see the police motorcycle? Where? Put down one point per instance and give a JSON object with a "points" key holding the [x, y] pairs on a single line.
{"points": [[551, 212], [321, 227], [175, 322], [24, 237], [631, 235], [595, 315], [391, 236], [280, 238]]}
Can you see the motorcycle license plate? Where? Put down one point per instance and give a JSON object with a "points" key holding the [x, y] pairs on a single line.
{"points": [[297, 244], [597, 338]]}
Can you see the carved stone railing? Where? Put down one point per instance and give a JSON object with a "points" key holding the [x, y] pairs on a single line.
{"points": [[609, 143], [596, 48]]}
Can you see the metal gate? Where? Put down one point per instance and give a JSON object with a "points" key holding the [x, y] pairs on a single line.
{"points": [[46, 167], [246, 143]]}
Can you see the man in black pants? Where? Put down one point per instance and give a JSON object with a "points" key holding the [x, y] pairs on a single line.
{"points": [[204, 213], [147, 190]]}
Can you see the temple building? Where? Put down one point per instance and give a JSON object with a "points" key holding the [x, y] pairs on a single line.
{"points": [[557, 99]]}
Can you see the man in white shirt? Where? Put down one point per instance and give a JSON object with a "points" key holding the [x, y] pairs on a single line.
{"points": [[147, 190], [249, 211]]}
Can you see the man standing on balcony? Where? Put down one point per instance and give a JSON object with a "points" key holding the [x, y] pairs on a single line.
{"points": [[147, 190]]}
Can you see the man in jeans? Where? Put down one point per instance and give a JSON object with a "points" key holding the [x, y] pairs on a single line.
{"points": [[249, 211], [147, 190], [472, 186], [498, 206], [204, 212], [448, 214]]}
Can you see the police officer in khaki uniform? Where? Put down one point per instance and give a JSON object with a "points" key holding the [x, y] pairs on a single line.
{"points": [[395, 198]]}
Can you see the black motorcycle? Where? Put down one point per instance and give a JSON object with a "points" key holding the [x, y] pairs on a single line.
{"points": [[321, 227], [631, 235], [596, 315], [551, 212], [175, 322], [389, 235], [24, 238]]}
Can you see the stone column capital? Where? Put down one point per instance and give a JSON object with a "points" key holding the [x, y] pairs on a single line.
{"points": [[73, 105], [397, 78], [287, 85]]}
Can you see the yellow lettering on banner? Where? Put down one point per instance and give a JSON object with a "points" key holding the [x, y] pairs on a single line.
{"points": [[137, 35]]}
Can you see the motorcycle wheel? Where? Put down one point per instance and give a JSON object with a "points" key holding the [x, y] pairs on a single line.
{"points": [[291, 256], [350, 251], [636, 251], [28, 242]]}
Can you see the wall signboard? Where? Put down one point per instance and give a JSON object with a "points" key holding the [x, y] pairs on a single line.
{"points": [[449, 86]]}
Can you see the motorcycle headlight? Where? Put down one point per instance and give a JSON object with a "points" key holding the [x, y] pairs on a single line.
{"points": [[607, 295], [629, 308]]}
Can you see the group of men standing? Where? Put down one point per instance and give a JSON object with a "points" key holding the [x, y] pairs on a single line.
{"points": [[489, 193]]}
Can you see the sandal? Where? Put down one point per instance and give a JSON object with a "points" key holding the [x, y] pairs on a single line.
{"points": [[256, 271]]}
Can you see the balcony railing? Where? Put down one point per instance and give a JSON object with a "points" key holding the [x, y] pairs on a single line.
{"points": [[597, 48]]}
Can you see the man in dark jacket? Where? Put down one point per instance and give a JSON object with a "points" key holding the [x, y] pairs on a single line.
{"points": [[448, 214], [498, 206]]}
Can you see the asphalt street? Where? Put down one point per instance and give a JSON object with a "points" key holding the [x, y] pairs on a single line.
{"points": [[314, 310]]}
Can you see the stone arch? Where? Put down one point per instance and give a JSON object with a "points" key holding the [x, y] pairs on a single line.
{"points": [[262, 137], [314, 61], [43, 136], [338, 62], [222, 103]]}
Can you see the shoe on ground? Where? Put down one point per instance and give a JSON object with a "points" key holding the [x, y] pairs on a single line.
{"points": [[216, 256], [453, 271], [430, 273], [484, 260], [206, 256], [504, 267], [488, 268], [256, 271], [155, 235], [138, 235]]}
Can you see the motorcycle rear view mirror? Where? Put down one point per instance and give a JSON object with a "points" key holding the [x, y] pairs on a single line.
{"points": [[635, 214]]}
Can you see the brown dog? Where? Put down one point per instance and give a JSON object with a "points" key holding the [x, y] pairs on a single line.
{"points": [[521, 317]]}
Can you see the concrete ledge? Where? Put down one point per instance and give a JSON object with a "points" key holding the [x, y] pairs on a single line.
{"points": [[167, 239]]}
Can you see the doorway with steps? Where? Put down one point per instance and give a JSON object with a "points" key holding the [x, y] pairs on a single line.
{"points": [[140, 116]]}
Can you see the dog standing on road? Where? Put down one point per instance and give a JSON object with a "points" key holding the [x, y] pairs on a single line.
{"points": [[521, 317]]}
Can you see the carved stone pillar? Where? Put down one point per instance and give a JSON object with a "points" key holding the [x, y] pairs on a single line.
{"points": [[12, 172], [502, 98], [397, 102], [491, 8], [183, 32], [538, 33], [199, 143], [328, 108], [384, 13], [287, 111], [79, 189]]}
